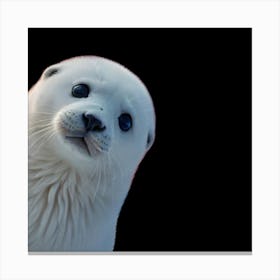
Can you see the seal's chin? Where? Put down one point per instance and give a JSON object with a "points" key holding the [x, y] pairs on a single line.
{"points": [[79, 143]]}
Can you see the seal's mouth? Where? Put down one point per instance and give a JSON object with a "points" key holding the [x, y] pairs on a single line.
{"points": [[79, 143], [87, 144]]}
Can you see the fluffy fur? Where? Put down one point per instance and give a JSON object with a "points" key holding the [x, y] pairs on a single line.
{"points": [[75, 194]]}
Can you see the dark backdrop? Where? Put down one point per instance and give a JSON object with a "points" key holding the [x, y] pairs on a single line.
{"points": [[192, 192]]}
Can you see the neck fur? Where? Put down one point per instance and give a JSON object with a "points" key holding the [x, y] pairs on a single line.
{"points": [[70, 210]]}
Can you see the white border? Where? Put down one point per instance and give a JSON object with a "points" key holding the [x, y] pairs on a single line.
{"points": [[17, 16]]}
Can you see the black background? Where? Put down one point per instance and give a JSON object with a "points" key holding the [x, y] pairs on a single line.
{"points": [[192, 192]]}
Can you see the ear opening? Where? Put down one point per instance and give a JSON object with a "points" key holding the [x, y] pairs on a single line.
{"points": [[50, 71], [150, 140]]}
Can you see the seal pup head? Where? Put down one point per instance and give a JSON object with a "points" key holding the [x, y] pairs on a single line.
{"points": [[90, 109]]}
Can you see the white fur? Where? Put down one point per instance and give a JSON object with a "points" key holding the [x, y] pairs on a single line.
{"points": [[75, 198]]}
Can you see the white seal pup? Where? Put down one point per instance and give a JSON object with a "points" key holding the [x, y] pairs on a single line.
{"points": [[91, 121]]}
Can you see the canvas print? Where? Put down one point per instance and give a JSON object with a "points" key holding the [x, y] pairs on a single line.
{"points": [[139, 140]]}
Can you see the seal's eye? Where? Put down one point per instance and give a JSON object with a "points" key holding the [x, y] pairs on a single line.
{"points": [[80, 90], [125, 122]]}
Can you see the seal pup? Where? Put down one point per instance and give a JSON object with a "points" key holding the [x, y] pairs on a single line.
{"points": [[91, 122]]}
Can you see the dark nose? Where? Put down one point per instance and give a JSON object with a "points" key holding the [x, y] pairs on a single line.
{"points": [[92, 123]]}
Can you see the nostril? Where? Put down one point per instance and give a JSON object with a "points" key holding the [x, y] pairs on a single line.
{"points": [[92, 123]]}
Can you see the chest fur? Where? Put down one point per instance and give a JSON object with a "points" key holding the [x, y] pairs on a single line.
{"points": [[70, 211]]}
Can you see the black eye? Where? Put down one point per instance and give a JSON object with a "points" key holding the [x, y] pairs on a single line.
{"points": [[125, 122], [80, 91]]}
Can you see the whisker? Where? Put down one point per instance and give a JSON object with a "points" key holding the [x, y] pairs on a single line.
{"points": [[42, 120], [39, 128], [47, 139]]}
